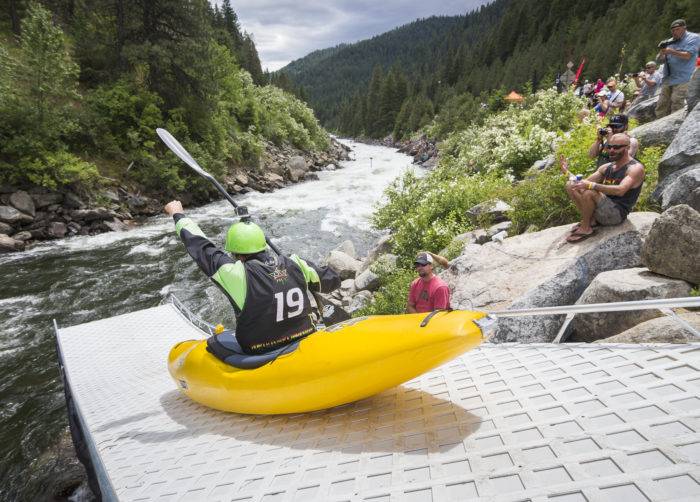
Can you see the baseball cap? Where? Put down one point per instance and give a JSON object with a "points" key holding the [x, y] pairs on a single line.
{"points": [[618, 120], [423, 259], [677, 23]]}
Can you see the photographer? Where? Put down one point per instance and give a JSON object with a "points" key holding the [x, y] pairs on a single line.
{"points": [[679, 55], [647, 82], [600, 151]]}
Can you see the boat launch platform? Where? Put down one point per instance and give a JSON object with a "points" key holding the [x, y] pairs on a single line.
{"points": [[511, 422]]}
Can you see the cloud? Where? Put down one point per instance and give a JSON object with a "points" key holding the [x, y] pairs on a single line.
{"points": [[288, 30]]}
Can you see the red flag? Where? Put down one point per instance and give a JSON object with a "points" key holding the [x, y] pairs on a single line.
{"points": [[580, 68]]}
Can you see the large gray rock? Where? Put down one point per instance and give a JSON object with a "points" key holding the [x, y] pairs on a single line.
{"points": [[10, 215], [367, 280], [684, 150], [346, 266], [5, 228], [96, 214], [22, 201], [22, 236], [662, 185], [57, 230], [297, 168], [72, 201], [348, 248], [540, 269], [360, 300], [681, 190], [491, 210], [382, 246], [644, 111], [618, 286], [660, 131], [8, 244], [672, 247], [660, 330], [42, 200]]}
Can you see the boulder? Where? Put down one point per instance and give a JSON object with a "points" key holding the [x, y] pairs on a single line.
{"points": [[492, 210], [329, 167], [22, 201], [96, 214], [347, 247], [672, 247], [311, 177], [382, 246], [662, 185], [644, 111], [273, 178], [8, 244], [504, 226], [57, 230], [297, 163], [681, 190], [539, 166], [22, 236], [74, 228], [241, 179], [5, 228], [116, 225], [360, 300], [660, 131], [659, 330], [346, 266], [684, 150], [367, 280], [618, 286], [540, 269], [72, 201], [9, 214], [42, 200]]}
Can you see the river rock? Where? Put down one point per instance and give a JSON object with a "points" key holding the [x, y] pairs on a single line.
{"points": [[116, 225], [659, 330], [684, 150], [660, 131], [57, 230], [618, 286], [503, 226], [493, 210], [345, 265], [681, 190], [644, 111], [672, 247], [22, 236], [96, 214], [367, 280], [540, 269], [5, 228], [42, 200], [72, 201], [273, 178], [360, 300], [348, 248], [8, 244], [74, 228], [329, 167], [382, 246], [10, 215], [22, 201]]}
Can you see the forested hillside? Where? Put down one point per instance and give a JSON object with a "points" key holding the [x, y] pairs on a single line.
{"points": [[396, 82], [84, 84]]}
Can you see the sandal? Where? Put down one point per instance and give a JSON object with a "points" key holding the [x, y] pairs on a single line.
{"points": [[578, 236], [594, 224]]}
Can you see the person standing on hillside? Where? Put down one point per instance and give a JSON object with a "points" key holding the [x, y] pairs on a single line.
{"points": [[428, 292], [679, 57], [608, 195]]}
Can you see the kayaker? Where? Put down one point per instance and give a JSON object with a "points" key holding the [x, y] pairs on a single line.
{"points": [[428, 292], [268, 292]]}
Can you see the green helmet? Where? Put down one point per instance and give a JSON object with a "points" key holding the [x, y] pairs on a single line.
{"points": [[245, 238]]}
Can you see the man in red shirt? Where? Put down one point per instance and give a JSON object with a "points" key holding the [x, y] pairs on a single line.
{"points": [[428, 292]]}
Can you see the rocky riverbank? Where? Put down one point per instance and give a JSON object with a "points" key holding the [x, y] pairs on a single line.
{"points": [[30, 214]]}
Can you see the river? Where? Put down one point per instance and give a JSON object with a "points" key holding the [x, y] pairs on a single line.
{"points": [[87, 278]]}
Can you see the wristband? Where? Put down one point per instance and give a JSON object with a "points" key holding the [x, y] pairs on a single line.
{"points": [[590, 185]]}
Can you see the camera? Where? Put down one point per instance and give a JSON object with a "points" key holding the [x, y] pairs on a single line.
{"points": [[665, 43], [603, 131], [635, 75]]}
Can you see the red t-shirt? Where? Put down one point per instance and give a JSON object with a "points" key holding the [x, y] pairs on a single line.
{"points": [[429, 296]]}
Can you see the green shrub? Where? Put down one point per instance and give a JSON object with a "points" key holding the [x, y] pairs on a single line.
{"points": [[58, 169], [650, 157], [392, 295]]}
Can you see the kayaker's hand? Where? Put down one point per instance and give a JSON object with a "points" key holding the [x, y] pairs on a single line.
{"points": [[174, 207]]}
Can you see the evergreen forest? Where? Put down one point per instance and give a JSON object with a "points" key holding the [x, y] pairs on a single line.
{"points": [[454, 67], [85, 83]]}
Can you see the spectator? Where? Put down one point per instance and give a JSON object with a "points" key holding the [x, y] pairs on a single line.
{"points": [[608, 195], [599, 149], [679, 57], [428, 292], [602, 103], [616, 98], [647, 82]]}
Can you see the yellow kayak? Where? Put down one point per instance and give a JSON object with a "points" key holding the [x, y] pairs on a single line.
{"points": [[345, 362]]}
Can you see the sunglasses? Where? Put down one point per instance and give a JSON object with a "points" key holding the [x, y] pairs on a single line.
{"points": [[617, 146]]}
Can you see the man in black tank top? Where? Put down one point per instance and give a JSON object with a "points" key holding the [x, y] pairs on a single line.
{"points": [[608, 195]]}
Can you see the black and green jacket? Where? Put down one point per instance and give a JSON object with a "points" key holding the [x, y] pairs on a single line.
{"points": [[268, 293]]}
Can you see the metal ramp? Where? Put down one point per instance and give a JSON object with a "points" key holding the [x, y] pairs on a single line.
{"points": [[571, 422]]}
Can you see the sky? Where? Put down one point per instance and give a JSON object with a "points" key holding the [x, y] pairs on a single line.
{"points": [[285, 30]]}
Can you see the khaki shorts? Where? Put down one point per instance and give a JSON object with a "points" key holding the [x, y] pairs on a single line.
{"points": [[607, 212]]}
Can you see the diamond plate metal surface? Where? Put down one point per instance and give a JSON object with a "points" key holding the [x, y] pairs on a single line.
{"points": [[509, 422]]}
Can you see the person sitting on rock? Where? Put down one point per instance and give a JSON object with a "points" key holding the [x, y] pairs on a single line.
{"points": [[615, 101], [599, 149], [268, 293], [428, 292], [648, 82], [608, 195]]}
